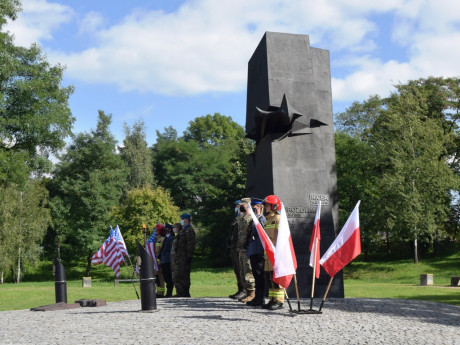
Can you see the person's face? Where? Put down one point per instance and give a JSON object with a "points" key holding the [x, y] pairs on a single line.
{"points": [[267, 208]]}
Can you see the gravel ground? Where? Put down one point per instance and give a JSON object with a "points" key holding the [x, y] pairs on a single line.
{"points": [[224, 321]]}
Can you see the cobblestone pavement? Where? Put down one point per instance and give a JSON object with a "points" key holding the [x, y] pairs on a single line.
{"points": [[224, 321]]}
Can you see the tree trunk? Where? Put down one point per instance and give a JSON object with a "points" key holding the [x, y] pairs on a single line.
{"points": [[1, 278], [19, 266], [88, 263], [415, 251]]}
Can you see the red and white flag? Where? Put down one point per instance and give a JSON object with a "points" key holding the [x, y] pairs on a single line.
{"points": [[314, 243], [345, 247], [285, 260], [266, 243]]}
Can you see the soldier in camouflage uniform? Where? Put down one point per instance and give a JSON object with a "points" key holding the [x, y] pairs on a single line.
{"points": [[174, 258], [184, 248], [234, 251], [272, 205], [244, 265]]}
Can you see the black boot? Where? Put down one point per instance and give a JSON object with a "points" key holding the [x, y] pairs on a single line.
{"points": [[169, 292], [241, 295]]}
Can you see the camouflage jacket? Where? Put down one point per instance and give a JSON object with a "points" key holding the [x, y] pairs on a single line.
{"points": [[244, 229], [185, 243]]}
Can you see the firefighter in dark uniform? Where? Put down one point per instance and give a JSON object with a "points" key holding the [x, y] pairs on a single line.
{"points": [[185, 246], [272, 205]]}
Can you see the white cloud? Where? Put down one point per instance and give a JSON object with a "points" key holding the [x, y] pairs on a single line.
{"points": [[204, 45], [38, 21], [91, 22]]}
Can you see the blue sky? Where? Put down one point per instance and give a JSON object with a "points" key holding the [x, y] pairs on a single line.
{"points": [[168, 62]]}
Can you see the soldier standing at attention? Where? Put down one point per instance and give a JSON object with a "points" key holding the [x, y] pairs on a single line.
{"points": [[185, 247], [174, 259], [272, 204], [255, 252], [244, 265], [233, 251]]}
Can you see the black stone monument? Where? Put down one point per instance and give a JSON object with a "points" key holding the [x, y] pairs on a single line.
{"points": [[289, 115]]}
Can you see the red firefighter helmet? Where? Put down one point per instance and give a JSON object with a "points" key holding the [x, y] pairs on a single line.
{"points": [[274, 201], [160, 229]]}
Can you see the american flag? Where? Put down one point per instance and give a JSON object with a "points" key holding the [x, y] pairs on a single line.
{"points": [[150, 247], [111, 252], [120, 241]]}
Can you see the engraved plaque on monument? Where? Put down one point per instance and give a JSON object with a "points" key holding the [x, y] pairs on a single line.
{"points": [[289, 115]]}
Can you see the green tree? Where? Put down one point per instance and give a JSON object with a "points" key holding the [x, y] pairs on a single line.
{"points": [[409, 143], [205, 171], [88, 184], [24, 219], [35, 117], [137, 156], [147, 206]]}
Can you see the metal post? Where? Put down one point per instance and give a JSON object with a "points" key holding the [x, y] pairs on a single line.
{"points": [[147, 280]]}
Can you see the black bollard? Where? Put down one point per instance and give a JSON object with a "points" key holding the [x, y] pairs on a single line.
{"points": [[60, 281], [147, 280]]}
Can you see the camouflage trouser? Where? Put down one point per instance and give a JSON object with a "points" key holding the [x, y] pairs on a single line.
{"points": [[181, 278], [236, 268], [245, 270]]}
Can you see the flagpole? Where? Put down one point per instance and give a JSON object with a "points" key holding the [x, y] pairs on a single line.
{"points": [[297, 291], [287, 298], [134, 286], [325, 294], [315, 248]]}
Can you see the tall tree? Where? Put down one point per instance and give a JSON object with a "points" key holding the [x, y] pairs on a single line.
{"points": [[205, 170], [137, 156], [35, 117], [413, 138], [24, 219], [87, 185]]}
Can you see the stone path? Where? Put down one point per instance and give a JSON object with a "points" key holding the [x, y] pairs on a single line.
{"points": [[223, 321]]}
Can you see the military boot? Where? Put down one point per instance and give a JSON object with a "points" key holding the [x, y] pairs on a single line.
{"points": [[241, 295], [249, 297]]}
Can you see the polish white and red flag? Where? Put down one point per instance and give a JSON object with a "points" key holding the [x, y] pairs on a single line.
{"points": [[285, 260], [266, 242], [314, 243], [345, 247]]}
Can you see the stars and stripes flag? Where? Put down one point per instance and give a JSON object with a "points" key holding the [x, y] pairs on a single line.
{"points": [[150, 247], [121, 242], [285, 260], [345, 247], [314, 243], [111, 252]]}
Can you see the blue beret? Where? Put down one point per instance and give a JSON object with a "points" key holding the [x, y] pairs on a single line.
{"points": [[237, 202], [185, 215], [256, 202], [168, 226]]}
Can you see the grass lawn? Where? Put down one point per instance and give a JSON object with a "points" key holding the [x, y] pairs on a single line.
{"points": [[380, 278]]}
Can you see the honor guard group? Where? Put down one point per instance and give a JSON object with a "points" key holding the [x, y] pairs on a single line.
{"points": [[174, 249], [254, 272], [253, 269]]}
